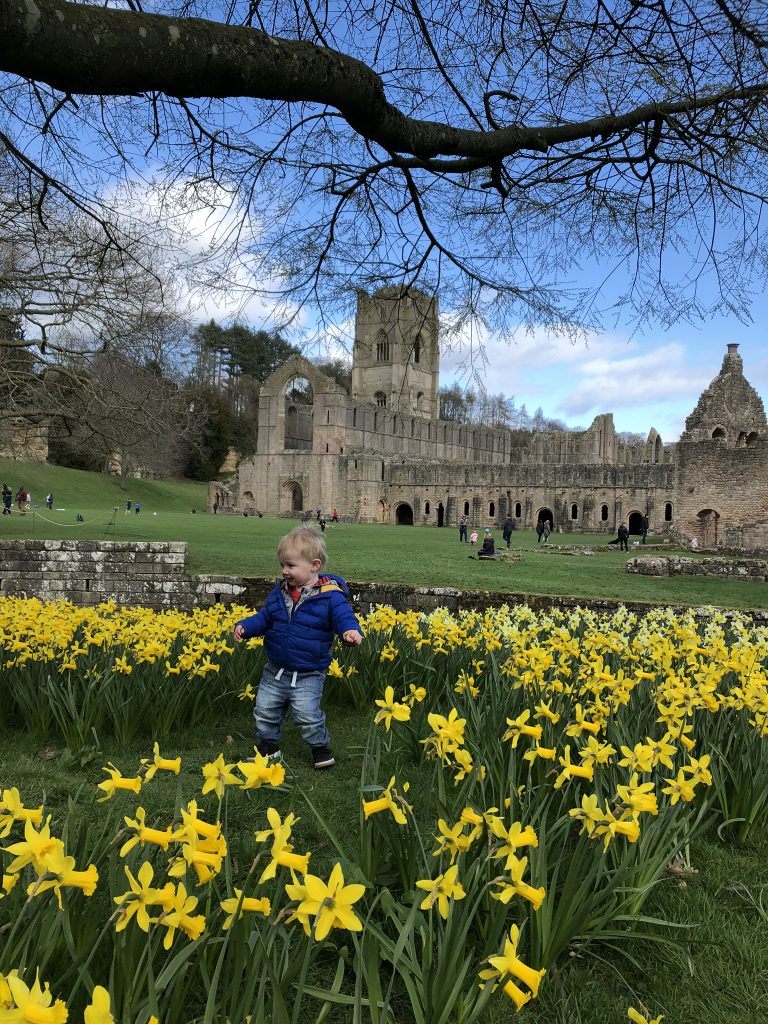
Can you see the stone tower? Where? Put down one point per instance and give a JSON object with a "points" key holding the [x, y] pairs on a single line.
{"points": [[729, 410], [396, 359]]}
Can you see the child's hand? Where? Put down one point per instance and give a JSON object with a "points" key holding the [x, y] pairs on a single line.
{"points": [[352, 637], [239, 631]]}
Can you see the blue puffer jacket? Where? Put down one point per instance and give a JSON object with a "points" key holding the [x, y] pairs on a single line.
{"points": [[302, 639]]}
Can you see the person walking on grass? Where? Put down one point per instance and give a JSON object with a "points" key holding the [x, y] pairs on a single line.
{"points": [[623, 535], [463, 530], [303, 613]]}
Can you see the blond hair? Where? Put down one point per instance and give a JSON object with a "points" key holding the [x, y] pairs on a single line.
{"points": [[306, 542]]}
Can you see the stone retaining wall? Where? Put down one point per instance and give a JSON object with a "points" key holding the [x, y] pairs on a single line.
{"points": [[152, 574], [721, 568]]}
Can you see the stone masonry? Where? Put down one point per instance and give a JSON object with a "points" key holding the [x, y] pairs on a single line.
{"points": [[380, 454]]}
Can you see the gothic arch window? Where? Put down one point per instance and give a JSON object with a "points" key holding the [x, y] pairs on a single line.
{"points": [[375, 420], [354, 417], [492, 509], [417, 349], [718, 432], [426, 508], [574, 511], [380, 399], [518, 510], [413, 426], [604, 513], [419, 399], [382, 348], [466, 508], [299, 411], [382, 471], [668, 512]]}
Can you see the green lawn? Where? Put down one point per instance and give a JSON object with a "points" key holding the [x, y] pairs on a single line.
{"points": [[396, 554]]}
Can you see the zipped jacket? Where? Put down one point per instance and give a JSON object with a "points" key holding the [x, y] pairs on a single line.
{"points": [[299, 637]]}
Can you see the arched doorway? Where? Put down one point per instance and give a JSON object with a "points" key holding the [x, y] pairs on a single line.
{"points": [[292, 498], [708, 524], [635, 519], [404, 514], [299, 412], [440, 515], [546, 515]]}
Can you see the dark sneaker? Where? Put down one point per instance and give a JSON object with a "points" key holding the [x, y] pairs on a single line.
{"points": [[322, 757], [269, 750]]}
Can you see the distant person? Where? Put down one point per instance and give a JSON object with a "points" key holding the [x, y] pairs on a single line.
{"points": [[546, 530], [539, 530], [137, 508], [644, 524], [128, 506], [488, 550], [7, 499], [215, 507], [318, 513], [463, 530], [321, 523], [21, 498], [334, 516], [623, 535], [49, 501], [506, 530], [473, 538]]}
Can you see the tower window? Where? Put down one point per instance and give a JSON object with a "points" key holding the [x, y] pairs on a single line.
{"points": [[381, 399], [382, 348], [417, 349]]}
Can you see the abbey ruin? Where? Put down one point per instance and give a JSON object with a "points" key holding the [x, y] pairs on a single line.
{"points": [[381, 454]]}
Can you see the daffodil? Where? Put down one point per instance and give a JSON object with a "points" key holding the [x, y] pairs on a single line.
{"points": [[177, 914], [507, 968], [116, 781], [33, 1005], [140, 897], [391, 709], [237, 905], [217, 775], [679, 788], [283, 856], [12, 809], [442, 890], [159, 763], [639, 1018], [34, 849], [261, 770], [330, 904], [514, 884], [519, 727], [570, 771], [60, 874], [387, 802], [452, 839], [99, 1010], [639, 798], [512, 839], [140, 833]]}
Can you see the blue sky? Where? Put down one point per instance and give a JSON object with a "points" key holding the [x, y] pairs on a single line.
{"points": [[653, 380]]}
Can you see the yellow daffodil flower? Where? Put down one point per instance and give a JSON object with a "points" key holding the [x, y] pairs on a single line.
{"points": [[60, 874], [217, 775], [638, 1018], [140, 833], [117, 781], [34, 1005], [12, 810], [159, 763], [261, 770], [387, 802], [35, 848], [390, 709], [509, 966], [140, 897], [237, 905], [330, 904], [441, 891], [99, 1010]]}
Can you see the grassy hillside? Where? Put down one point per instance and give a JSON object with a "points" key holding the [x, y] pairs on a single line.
{"points": [[246, 546]]}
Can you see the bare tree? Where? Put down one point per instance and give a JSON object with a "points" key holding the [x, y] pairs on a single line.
{"points": [[489, 151]]}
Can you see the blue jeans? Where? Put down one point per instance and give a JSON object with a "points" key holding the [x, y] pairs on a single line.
{"points": [[299, 691]]}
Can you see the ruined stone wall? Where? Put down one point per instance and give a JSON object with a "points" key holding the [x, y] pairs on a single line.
{"points": [[719, 568], [713, 476]]}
